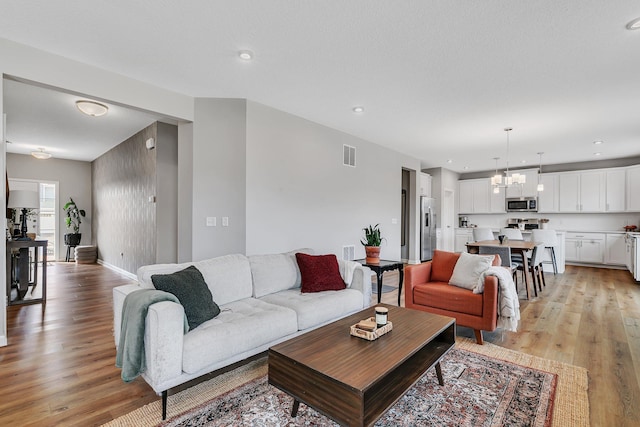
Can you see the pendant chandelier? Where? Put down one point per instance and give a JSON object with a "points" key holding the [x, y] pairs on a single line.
{"points": [[509, 180]]}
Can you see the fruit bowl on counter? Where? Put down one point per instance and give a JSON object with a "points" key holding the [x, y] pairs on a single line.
{"points": [[629, 228]]}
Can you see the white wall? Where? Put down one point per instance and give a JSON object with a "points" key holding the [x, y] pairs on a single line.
{"points": [[219, 177], [300, 195], [74, 180], [185, 191]]}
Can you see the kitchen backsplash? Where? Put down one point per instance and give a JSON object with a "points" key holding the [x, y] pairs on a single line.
{"points": [[578, 222]]}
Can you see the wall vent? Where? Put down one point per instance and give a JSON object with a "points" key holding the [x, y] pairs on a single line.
{"points": [[348, 253], [349, 155]]}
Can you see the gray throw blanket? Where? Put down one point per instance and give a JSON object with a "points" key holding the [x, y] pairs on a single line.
{"points": [[130, 356]]}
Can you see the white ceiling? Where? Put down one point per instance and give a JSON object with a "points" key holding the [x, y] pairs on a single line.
{"points": [[438, 79]]}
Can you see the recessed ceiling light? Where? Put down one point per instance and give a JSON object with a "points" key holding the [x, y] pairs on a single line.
{"points": [[634, 25], [246, 55], [523, 161], [449, 161], [92, 108], [358, 109], [597, 142], [466, 168], [597, 154]]}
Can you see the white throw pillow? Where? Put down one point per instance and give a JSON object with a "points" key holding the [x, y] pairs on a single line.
{"points": [[469, 268]]}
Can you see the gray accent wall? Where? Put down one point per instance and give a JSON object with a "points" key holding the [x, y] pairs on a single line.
{"points": [[128, 224]]}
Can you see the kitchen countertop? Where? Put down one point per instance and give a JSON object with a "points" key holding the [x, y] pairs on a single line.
{"points": [[497, 230]]}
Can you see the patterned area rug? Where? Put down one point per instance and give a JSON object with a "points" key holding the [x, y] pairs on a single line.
{"points": [[478, 391]]}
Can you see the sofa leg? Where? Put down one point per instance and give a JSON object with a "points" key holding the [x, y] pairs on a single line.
{"points": [[164, 405], [478, 333]]}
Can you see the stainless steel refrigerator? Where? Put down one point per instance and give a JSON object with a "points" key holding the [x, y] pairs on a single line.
{"points": [[427, 228]]}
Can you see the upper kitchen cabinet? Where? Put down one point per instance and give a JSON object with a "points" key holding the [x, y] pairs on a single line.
{"points": [[529, 188], [633, 189], [615, 190], [581, 191], [548, 200], [474, 196], [425, 184]]}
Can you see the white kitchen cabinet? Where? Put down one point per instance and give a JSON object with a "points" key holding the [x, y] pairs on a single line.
{"points": [[529, 188], [616, 183], [615, 249], [633, 189], [581, 191], [548, 198], [463, 236], [585, 247], [474, 196], [425, 184]]}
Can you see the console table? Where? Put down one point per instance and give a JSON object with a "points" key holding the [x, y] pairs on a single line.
{"points": [[382, 266], [22, 273]]}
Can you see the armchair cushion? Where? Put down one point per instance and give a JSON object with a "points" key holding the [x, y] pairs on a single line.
{"points": [[446, 297], [469, 269], [442, 265]]}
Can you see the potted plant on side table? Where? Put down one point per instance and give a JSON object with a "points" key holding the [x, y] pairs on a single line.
{"points": [[73, 220], [371, 242]]}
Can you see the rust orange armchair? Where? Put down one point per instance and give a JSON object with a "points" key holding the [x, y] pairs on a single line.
{"points": [[427, 288]]}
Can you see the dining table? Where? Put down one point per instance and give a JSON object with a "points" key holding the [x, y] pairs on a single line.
{"points": [[521, 247]]}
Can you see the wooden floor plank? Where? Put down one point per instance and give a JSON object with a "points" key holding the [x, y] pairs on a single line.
{"points": [[58, 368]]}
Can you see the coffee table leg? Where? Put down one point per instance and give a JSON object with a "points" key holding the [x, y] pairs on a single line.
{"points": [[296, 405], [439, 374]]}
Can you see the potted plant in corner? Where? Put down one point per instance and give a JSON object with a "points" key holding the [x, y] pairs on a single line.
{"points": [[371, 243], [73, 221]]}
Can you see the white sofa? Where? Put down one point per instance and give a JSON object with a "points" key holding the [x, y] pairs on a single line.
{"points": [[261, 305]]}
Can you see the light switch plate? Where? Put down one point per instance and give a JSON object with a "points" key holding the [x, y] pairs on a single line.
{"points": [[211, 221]]}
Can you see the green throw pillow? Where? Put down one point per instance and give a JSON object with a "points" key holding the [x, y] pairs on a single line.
{"points": [[189, 287]]}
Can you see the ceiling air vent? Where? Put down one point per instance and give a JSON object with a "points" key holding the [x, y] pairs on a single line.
{"points": [[349, 155], [348, 253]]}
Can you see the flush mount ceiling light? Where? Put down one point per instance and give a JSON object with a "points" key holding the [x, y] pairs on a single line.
{"points": [[634, 25], [597, 154], [597, 142], [41, 154], [358, 109], [245, 55], [92, 108]]}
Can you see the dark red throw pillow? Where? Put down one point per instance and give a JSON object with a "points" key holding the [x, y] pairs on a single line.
{"points": [[319, 273]]}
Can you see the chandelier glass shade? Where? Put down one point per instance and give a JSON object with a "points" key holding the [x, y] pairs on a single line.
{"points": [[509, 179]]}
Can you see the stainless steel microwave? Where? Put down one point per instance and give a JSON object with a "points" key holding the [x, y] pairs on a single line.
{"points": [[522, 204]]}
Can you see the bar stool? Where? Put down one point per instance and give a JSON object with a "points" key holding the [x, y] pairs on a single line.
{"points": [[550, 241]]}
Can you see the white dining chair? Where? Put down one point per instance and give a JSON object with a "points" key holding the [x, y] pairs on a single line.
{"points": [[512, 233], [480, 234], [550, 240]]}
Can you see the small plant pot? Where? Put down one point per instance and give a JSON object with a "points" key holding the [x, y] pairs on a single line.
{"points": [[72, 239], [373, 254]]}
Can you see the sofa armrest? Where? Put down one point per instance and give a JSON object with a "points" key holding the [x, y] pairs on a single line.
{"points": [[490, 303], [362, 282], [163, 343], [415, 274]]}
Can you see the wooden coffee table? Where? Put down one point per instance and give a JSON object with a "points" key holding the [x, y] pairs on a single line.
{"points": [[354, 381]]}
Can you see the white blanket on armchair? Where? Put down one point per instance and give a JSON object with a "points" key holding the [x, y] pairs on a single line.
{"points": [[508, 303]]}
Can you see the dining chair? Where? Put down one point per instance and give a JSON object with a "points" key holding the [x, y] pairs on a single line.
{"points": [[505, 258], [550, 240], [480, 234], [512, 233], [535, 268]]}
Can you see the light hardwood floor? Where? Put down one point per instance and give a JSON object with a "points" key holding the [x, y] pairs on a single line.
{"points": [[58, 368]]}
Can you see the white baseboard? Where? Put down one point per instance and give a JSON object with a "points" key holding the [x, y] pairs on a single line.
{"points": [[118, 269]]}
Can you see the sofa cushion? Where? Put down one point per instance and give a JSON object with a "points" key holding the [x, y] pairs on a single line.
{"points": [[240, 326], [446, 297], [228, 277], [314, 309], [319, 273], [192, 291], [273, 273], [469, 269], [442, 265]]}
